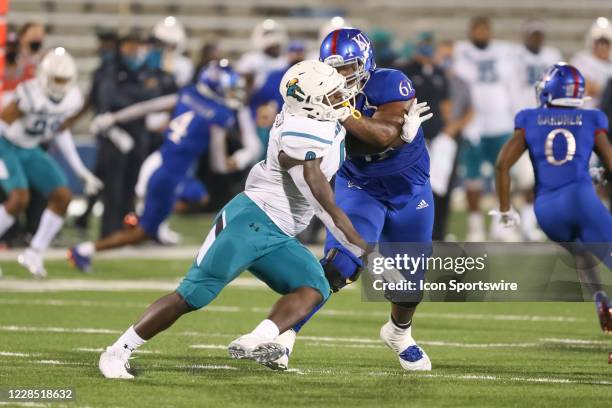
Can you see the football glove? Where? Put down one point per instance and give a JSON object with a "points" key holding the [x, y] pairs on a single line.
{"points": [[101, 123], [413, 119], [91, 184], [507, 219], [598, 175]]}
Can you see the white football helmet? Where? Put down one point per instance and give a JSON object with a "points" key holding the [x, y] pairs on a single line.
{"points": [[314, 89], [171, 32], [57, 73], [269, 33]]}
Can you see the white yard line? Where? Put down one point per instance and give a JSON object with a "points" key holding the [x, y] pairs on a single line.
{"points": [[546, 380], [323, 312], [207, 367], [209, 346]]}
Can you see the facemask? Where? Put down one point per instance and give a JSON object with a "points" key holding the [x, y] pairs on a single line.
{"points": [[480, 44], [426, 50], [133, 63], [35, 46]]}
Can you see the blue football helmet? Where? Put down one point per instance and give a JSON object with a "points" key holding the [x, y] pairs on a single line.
{"points": [[220, 82], [349, 46], [561, 85]]}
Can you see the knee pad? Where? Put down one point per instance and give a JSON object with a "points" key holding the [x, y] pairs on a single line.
{"points": [[341, 268]]}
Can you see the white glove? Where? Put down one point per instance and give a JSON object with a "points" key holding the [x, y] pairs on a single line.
{"points": [[121, 139], [598, 175], [413, 120], [101, 123], [507, 219], [91, 184]]}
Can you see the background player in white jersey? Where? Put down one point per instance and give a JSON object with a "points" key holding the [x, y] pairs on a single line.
{"points": [[488, 68], [35, 116], [533, 57], [595, 62], [256, 230]]}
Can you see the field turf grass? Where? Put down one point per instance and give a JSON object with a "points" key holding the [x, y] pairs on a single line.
{"points": [[483, 354]]}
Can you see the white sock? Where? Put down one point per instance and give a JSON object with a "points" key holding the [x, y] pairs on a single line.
{"points": [[129, 341], [87, 248], [6, 220], [267, 330], [50, 224], [528, 218], [400, 331], [476, 222]]}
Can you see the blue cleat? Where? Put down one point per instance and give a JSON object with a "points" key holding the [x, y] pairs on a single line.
{"points": [[79, 261]]}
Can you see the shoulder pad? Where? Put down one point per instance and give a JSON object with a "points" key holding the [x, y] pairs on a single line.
{"points": [[306, 139]]}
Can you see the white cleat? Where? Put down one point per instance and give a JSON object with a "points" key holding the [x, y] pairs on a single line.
{"points": [[167, 236], [33, 262], [287, 340], [254, 348], [114, 364], [410, 355]]}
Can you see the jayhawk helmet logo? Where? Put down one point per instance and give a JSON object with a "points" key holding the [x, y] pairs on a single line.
{"points": [[294, 90]]}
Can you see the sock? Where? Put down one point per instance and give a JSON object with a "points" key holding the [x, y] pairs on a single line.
{"points": [[267, 330], [400, 328], [6, 220], [476, 222], [528, 219], [129, 341], [50, 224], [86, 248]]}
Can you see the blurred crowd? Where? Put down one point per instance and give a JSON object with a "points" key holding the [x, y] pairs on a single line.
{"points": [[474, 87]]}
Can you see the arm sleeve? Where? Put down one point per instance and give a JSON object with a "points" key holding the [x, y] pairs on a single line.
{"points": [[65, 144], [297, 175], [217, 150], [141, 109], [601, 122], [519, 120], [251, 145]]}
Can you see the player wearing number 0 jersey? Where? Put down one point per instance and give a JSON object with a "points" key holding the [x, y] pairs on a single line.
{"points": [[201, 111], [560, 137]]}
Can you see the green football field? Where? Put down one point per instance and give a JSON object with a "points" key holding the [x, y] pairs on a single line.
{"points": [[483, 354]]}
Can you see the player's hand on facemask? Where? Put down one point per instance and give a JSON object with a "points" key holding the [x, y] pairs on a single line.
{"points": [[101, 123], [416, 115], [91, 184], [598, 175], [507, 219]]}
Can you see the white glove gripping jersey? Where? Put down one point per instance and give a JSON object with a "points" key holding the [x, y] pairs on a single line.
{"points": [[41, 117], [531, 68], [491, 76], [272, 188]]}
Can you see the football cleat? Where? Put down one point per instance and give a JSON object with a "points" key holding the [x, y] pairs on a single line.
{"points": [[604, 311], [254, 348], [287, 340], [78, 260], [114, 364], [33, 262], [410, 355]]}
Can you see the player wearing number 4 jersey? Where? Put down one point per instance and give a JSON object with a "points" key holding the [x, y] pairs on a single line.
{"points": [[34, 117], [202, 114], [256, 230], [560, 137]]}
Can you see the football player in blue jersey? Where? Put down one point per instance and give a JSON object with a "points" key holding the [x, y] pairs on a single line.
{"points": [[560, 136], [202, 112], [383, 186]]}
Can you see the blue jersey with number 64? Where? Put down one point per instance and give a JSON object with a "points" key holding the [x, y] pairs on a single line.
{"points": [[560, 143], [188, 134]]}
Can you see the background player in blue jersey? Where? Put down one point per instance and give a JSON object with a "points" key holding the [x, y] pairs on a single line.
{"points": [[560, 137], [203, 111], [383, 186]]}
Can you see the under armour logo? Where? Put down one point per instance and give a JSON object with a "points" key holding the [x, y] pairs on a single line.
{"points": [[254, 226], [350, 184]]}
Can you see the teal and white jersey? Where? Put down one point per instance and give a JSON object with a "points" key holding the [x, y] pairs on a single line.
{"points": [[41, 117], [272, 188]]}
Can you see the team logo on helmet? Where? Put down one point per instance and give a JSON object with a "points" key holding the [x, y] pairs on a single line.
{"points": [[294, 90]]}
